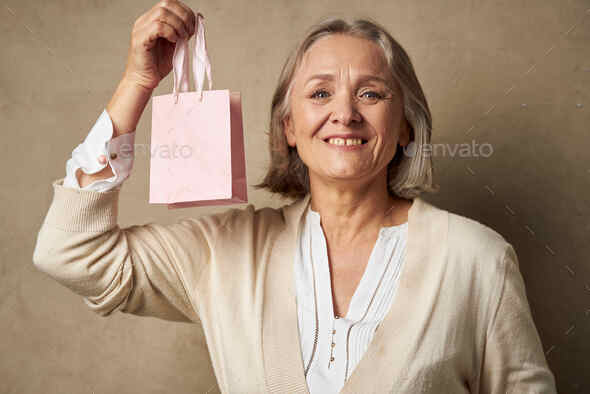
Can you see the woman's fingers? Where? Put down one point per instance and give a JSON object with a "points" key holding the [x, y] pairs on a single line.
{"points": [[171, 12], [149, 57], [156, 30], [185, 14]]}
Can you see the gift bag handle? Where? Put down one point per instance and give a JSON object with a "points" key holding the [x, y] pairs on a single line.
{"points": [[201, 64]]}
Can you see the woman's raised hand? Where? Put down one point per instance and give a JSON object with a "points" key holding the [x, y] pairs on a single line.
{"points": [[153, 39], [149, 60]]}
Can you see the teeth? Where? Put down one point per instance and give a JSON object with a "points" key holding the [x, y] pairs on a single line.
{"points": [[342, 141]]}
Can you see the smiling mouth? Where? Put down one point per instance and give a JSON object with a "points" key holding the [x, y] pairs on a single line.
{"points": [[345, 141]]}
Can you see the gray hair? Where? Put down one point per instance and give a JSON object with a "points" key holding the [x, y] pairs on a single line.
{"points": [[408, 175]]}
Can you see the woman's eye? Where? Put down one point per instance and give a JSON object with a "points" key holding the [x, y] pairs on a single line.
{"points": [[320, 94], [371, 95]]}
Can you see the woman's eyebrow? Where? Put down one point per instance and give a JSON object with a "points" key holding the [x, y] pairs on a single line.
{"points": [[360, 79], [374, 78]]}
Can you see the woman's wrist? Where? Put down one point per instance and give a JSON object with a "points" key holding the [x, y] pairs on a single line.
{"points": [[127, 105]]}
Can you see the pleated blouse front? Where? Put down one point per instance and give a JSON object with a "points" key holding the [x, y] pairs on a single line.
{"points": [[332, 346]]}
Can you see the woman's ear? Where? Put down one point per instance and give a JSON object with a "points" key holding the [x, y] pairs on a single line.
{"points": [[288, 130]]}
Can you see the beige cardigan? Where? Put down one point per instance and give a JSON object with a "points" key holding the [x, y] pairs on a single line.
{"points": [[459, 323]]}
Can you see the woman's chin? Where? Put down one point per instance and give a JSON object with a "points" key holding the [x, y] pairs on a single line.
{"points": [[345, 173]]}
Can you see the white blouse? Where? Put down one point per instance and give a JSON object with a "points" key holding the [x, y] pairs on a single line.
{"points": [[331, 347]]}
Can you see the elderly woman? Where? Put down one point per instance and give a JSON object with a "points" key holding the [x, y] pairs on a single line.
{"points": [[359, 286]]}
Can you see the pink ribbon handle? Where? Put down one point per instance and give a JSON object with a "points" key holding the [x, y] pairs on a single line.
{"points": [[201, 64]]}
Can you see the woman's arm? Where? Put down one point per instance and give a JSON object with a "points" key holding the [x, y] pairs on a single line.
{"points": [[513, 360], [148, 270]]}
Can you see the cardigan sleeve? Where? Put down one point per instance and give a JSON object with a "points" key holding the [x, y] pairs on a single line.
{"points": [[147, 270], [513, 360]]}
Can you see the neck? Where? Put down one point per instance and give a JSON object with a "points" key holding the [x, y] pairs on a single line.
{"points": [[352, 214]]}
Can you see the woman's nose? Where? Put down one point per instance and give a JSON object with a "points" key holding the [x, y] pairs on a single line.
{"points": [[344, 110]]}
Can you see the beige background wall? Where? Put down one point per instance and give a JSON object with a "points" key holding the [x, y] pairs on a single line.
{"points": [[514, 74]]}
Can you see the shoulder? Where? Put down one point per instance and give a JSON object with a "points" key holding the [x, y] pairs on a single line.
{"points": [[245, 221], [478, 258], [460, 234], [476, 255], [464, 238], [470, 237]]}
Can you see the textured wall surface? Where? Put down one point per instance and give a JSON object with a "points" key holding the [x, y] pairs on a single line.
{"points": [[513, 75]]}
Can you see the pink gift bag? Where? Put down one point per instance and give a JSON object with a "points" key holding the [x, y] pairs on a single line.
{"points": [[197, 146]]}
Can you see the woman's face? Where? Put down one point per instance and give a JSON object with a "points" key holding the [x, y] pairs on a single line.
{"points": [[342, 94]]}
